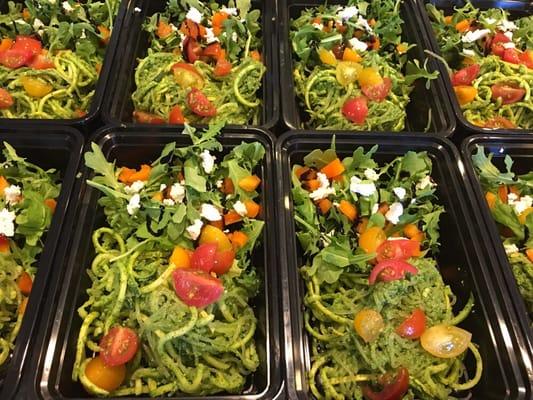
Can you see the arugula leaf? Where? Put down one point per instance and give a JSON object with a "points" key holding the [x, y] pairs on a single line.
{"points": [[413, 72], [505, 215], [96, 160], [244, 7], [34, 217], [488, 172], [318, 158], [192, 178], [416, 164]]}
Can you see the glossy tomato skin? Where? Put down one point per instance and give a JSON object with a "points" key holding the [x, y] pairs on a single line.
{"points": [[509, 94], [203, 258], [223, 261], [192, 49], [394, 387], [378, 92], [499, 122], [398, 250], [413, 326], [222, 68], [355, 109], [466, 75], [15, 58], [28, 43], [197, 288], [390, 270], [176, 115], [103, 376], [6, 100], [147, 118], [40, 61], [214, 50], [200, 104], [445, 341], [511, 56], [119, 346]]}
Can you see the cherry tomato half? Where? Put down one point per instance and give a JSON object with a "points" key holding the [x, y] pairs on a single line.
{"points": [[214, 50], [41, 61], [27, 43], [466, 75], [355, 109], [175, 116], [103, 376], [6, 100], [378, 92], [196, 288], [371, 239], [203, 258], [15, 58], [499, 122], [398, 250], [212, 234], [200, 104], [511, 56], [192, 49], [118, 346], [508, 93], [394, 387], [187, 76], [147, 118], [222, 68], [368, 324], [413, 326], [445, 341], [526, 58], [390, 270], [223, 261]]}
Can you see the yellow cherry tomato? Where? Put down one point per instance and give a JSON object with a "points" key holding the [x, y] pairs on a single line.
{"points": [[370, 239], [35, 87], [347, 72], [445, 341], [369, 77], [180, 257], [368, 324], [103, 376], [211, 234], [327, 56]]}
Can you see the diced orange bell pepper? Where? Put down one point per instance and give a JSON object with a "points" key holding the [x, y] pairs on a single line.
{"points": [[105, 34], [351, 55], [502, 193], [164, 30], [333, 169], [463, 26], [348, 209], [410, 230], [250, 183], [238, 239], [529, 254], [3, 184], [128, 175], [491, 199], [324, 205], [231, 217], [252, 208]]}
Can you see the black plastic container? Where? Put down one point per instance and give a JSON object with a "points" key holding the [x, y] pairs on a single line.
{"points": [[516, 9], [422, 101], [50, 377], [112, 57], [520, 148], [47, 147], [119, 107], [464, 261]]}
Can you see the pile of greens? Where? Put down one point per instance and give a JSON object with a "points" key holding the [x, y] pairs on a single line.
{"points": [[510, 197], [27, 203], [348, 228]]}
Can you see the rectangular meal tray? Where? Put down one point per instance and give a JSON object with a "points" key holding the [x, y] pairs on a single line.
{"points": [[464, 261]]}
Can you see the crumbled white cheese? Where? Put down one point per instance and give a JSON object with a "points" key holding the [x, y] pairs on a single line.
{"points": [[362, 23], [358, 45], [220, 183], [362, 188], [506, 25], [177, 192], [135, 187], [83, 35], [234, 36], [508, 45], [20, 21], [229, 11], [400, 192], [67, 7], [194, 15], [37, 24], [7, 222], [240, 208], [509, 35], [348, 12], [195, 229], [208, 161], [162, 187], [519, 204], [210, 212], [134, 204], [324, 190], [318, 26], [371, 174], [168, 202], [210, 36], [394, 213], [182, 40], [511, 248], [490, 21], [472, 36], [12, 194], [375, 208], [425, 182], [468, 52]]}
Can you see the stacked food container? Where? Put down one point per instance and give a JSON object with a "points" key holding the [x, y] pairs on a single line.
{"points": [[266, 199]]}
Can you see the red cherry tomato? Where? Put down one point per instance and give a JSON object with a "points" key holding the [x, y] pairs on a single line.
{"points": [[390, 270], [147, 118], [511, 56], [500, 38], [222, 68], [223, 261], [197, 288], [355, 109], [175, 116], [394, 387], [15, 58], [28, 43], [203, 258], [378, 92], [413, 326], [214, 50], [499, 122], [466, 75], [497, 49], [509, 94], [41, 61], [118, 346], [192, 49], [200, 104], [6, 100], [398, 250]]}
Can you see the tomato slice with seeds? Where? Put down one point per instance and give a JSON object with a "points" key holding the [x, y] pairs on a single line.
{"points": [[394, 387], [192, 49], [175, 116], [41, 61], [197, 288], [466, 75], [378, 92], [15, 58], [214, 50], [511, 56], [508, 93], [413, 326], [118, 346], [355, 109], [147, 118], [401, 249], [390, 270], [200, 104], [499, 122], [203, 258], [28, 43], [222, 68], [6, 100]]}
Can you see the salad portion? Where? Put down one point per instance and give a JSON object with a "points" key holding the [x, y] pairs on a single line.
{"points": [[351, 68], [490, 58], [510, 199], [168, 308], [204, 64], [51, 54], [379, 316], [27, 203]]}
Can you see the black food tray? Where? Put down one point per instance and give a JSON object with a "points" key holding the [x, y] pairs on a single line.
{"points": [[423, 102], [516, 9], [50, 377], [47, 147], [101, 90], [119, 105], [464, 260], [520, 148]]}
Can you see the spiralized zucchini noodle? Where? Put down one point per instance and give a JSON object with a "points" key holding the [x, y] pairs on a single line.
{"points": [[498, 52], [219, 56], [183, 348], [359, 313], [27, 201], [353, 54], [510, 199], [59, 80]]}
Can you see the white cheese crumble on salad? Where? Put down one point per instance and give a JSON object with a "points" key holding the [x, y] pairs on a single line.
{"points": [[509, 45], [208, 161], [67, 7], [371, 174], [210, 212], [394, 213], [210, 36], [37, 24], [324, 190], [134, 204], [400, 192], [177, 192], [240, 208], [12, 194], [194, 229], [168, 202], [509, 35], [318, 26], [362, 188], [468, 52], [229, 11], [375, 208], [135, 187], [425, 182], [7, 225], [473, 36], [511, 248], [362, 23], [520, 204], [358, 45], [194, 15], [506, 25], [348, 12]]}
